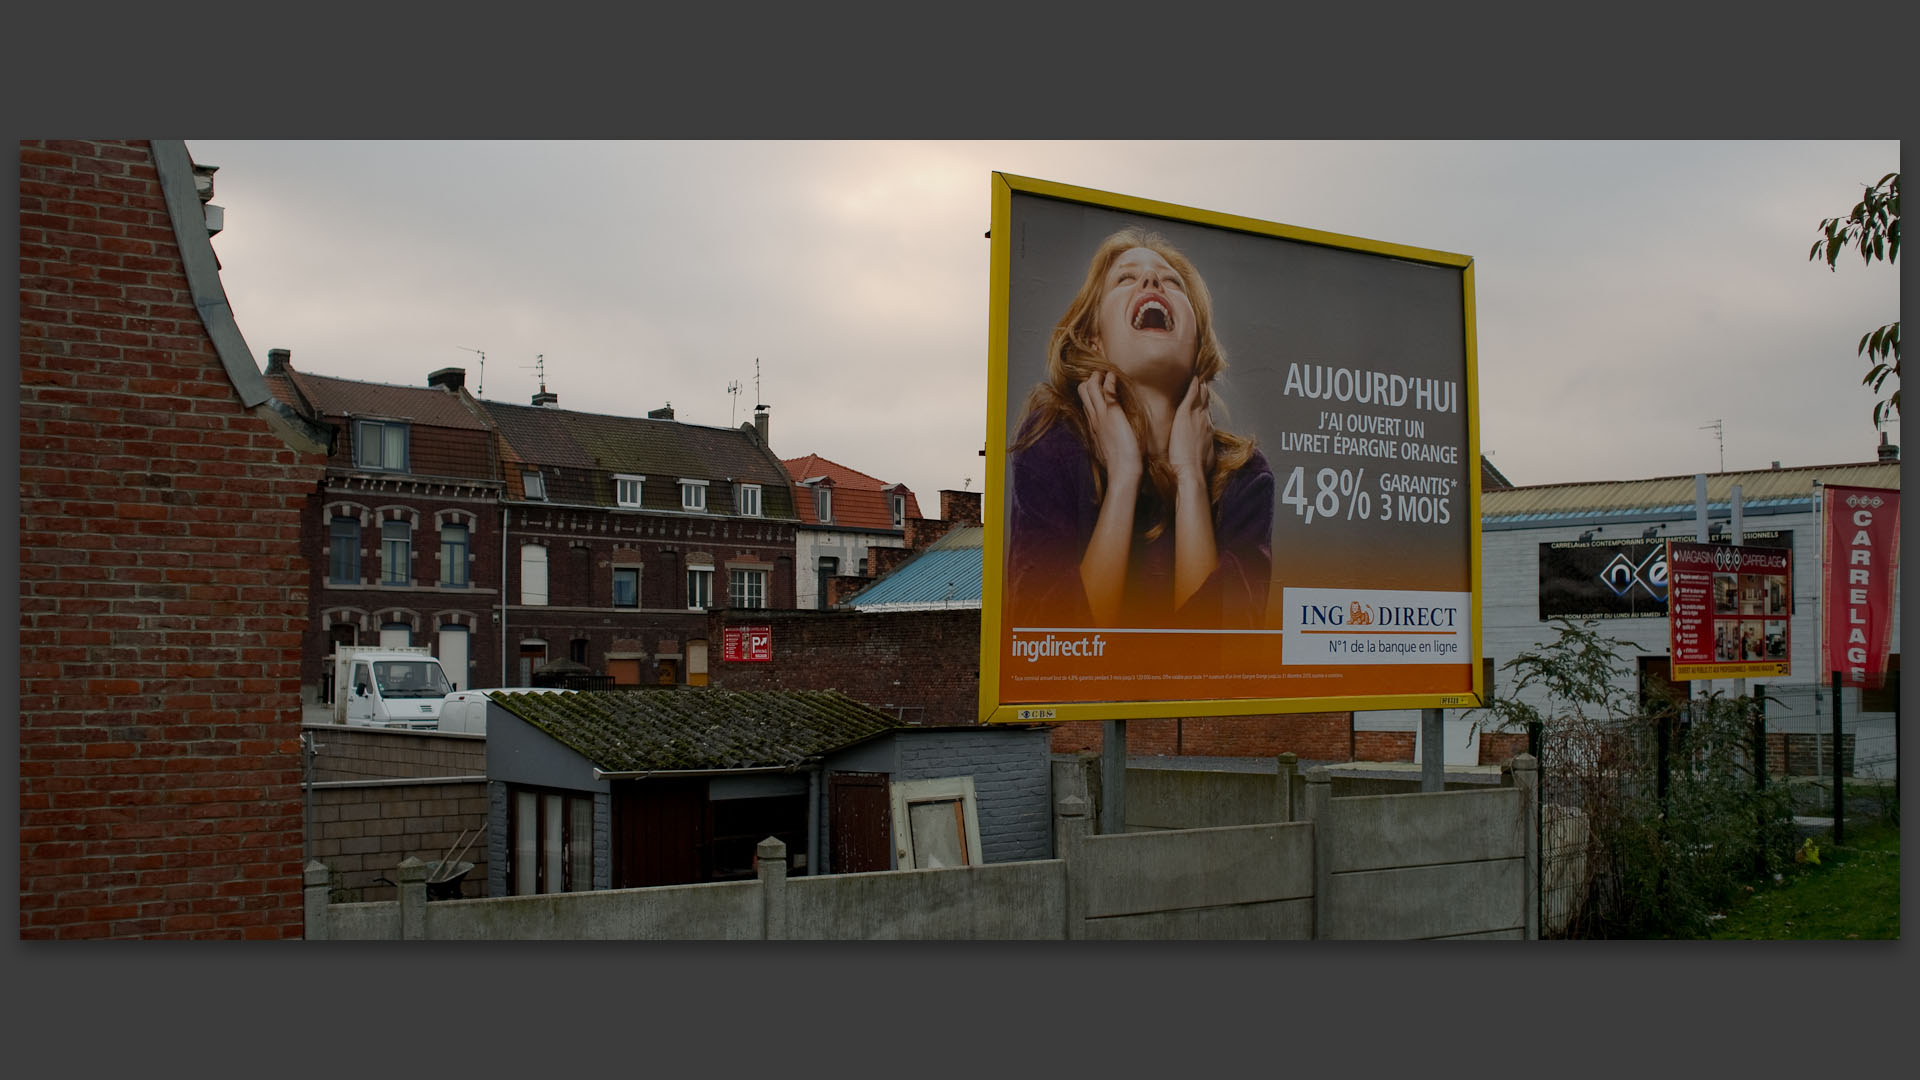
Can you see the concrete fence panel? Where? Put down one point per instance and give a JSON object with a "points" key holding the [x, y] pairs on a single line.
{"points": [[721, 911], [1192, 799], [1134, 873], [995, 902], [377, 921], [1453, 900], [1375, 832]]}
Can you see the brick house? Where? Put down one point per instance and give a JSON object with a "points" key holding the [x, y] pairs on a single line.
{"points": [[844, 514], [404, 533], [163, 588], [620, 534]]}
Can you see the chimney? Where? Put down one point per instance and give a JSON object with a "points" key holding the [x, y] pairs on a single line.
{"points": [[960, 507], [1888, 452], [279, 361], [545, 399], [760, 423], [663, 413], [448, 378]]}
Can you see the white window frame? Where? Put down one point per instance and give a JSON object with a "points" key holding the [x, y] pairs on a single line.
{"points": [[699, 599], [396, 572], [735, 581], [621, 481], [534, 484], [531, 596], [453, 563], [693, 495], [953, 789], [823, 503], [384, 459], [746, 499], [899, 503]]}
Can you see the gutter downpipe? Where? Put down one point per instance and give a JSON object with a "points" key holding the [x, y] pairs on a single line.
{"points": [[506, 517]]}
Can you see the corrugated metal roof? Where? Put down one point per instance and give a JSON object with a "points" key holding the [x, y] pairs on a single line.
{"points": [[1674, 494], [700, 728], [945, 575]]}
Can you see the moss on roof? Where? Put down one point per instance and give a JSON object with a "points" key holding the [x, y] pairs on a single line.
{"points": [[700, 728]]}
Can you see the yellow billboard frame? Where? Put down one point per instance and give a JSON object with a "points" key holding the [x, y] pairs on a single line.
{"points": [[993, 555]]}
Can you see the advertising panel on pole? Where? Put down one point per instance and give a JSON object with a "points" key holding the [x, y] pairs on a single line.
{"points": [[1730, 610], [1861, 564], [1616, 579], [1233, 466]]}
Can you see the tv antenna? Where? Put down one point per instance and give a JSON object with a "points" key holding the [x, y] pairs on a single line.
{"points": [[733, 388], [1718, 427], [756, 384], [539, 367], [480, 386]]}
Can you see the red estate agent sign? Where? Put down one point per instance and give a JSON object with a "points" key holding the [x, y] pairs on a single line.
{"points": [[1728, 610], [747, 643], [1860, 554]]}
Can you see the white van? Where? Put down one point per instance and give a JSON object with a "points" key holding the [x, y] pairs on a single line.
{"points": [[387, 686], [466, 710]]}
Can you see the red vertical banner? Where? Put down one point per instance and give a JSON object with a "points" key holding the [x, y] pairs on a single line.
{"points": [[1860, 562]]}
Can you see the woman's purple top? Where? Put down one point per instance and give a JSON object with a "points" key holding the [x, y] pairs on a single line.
{"points": [[1054, 511]]}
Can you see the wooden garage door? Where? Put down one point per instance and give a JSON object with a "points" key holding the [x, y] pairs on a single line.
{"points": [[660, 831], [859, 823]]}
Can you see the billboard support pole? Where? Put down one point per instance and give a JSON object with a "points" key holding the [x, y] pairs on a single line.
{"points": [[1113, 777], [1839, 789], [1760, 775], [1433, 753], [1738, 537]]}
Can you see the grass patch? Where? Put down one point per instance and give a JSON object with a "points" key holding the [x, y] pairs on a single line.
{"points": [[1852, 893]]}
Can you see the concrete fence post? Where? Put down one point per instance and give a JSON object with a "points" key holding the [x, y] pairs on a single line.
{"points": [[1071, 826], [1288, 779], [1320, 812], [770, 865], [319, 921], [413, 899], [1526, 777]]}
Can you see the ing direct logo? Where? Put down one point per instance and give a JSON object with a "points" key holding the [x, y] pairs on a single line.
{"points": [[1359, 614]]}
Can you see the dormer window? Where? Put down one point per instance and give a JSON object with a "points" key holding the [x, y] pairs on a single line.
{"points": [[380, 444], [535, 484], [746, 499], [823, 503], [626, 490], [899, 502], [693, 494]]}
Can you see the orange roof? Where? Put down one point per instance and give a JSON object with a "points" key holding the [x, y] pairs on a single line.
{"points": [[859, 501]]}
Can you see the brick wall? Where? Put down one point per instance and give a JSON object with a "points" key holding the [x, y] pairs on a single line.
{"points": [[363, 753], [1500, 747], [925, 662], [362, 830], [1312, 736], [162, 590]]}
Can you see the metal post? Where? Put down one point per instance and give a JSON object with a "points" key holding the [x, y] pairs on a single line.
{"points": [[1839, 789], [1320, 812], [1662, 732], [1760, 775], [1433, 752], [1113, 777]]}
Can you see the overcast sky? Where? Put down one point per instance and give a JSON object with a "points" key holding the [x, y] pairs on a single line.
{"points": [[1628, 294]]}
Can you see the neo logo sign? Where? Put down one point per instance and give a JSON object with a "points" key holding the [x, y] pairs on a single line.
{"points": [[1623, 575]]}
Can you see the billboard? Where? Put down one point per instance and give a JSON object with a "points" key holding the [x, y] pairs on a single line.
{"points": [[1233, 465], [1616, 579], [1860, 556], [1731, 610]]}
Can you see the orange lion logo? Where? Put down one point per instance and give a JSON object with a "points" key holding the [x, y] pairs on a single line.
{"points": [[1359, 614]]}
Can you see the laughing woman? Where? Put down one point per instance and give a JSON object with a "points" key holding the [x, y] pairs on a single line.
{"points": [[1129, 507]]}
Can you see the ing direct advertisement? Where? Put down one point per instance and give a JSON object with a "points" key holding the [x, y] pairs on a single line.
{"points": [[1233, 466]]}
